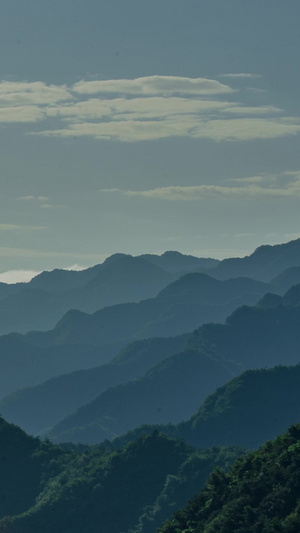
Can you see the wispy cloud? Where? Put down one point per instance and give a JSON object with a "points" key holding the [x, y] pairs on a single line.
{"points": [[191, 126], [33, 198], [247, 75], [18, 227], [254, 187], [143, 109], [41, 202], [154, 85], [21, 114], [35, 93]]}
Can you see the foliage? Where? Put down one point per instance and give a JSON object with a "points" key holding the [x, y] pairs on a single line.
{"points": [[260, 493], [74, 489]]}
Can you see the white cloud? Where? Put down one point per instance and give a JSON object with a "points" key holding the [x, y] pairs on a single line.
{"points": [[255, 110], [199, 192], [32, 198], [154, 85], [76, 267], [241, 129], [9, 227], [138, 108], [142, 109], [247, 75], [18, 276], [21, 114], [35, 93]]}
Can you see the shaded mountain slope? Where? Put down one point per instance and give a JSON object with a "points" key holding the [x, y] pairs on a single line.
{"points": [[23, 364], [36, 408], [253, 337], [252, 408], [263, 264], [181, 307], [169, 392], [173, 261], [40, 303], [256, 336], [261, 492], [286, 279]]}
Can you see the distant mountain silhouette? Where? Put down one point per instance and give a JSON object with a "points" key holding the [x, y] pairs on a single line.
{"points": [[179, 308], [23, 364], [168, 393], [257, 336], [36, 408], [253, 337], [176, 262], [287, 279], [41, 303], [263, 264]]}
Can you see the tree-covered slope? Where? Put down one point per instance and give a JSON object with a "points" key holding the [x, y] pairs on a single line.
{"points": [[46, 488], [24, 463], [251, 408], [260, 493], [254, 407]]}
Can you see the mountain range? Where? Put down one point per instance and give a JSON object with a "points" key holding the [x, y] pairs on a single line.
{"points": [[253, 337], [264, 335], [173, 383], [41, 303]]}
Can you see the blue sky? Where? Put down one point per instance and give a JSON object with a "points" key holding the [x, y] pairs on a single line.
{"points": [[138, 127]]}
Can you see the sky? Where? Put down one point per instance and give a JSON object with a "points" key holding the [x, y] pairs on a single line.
{"points": [[140, 127]]}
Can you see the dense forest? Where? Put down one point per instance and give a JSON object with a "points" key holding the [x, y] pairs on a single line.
{"points": [[57, 488], [261, 492]]}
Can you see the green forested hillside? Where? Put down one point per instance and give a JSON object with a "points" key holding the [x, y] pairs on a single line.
{"points": [[46, 488], [254, 407], [260, 493]]}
